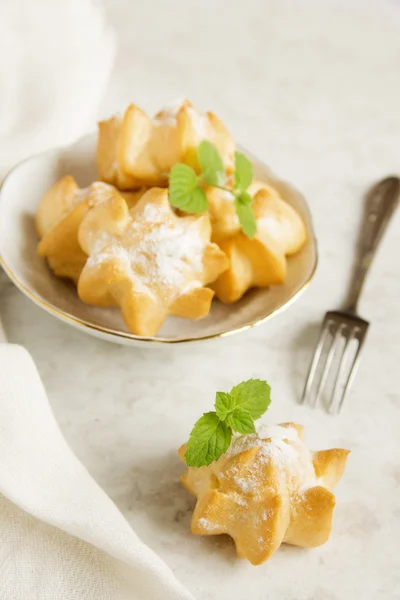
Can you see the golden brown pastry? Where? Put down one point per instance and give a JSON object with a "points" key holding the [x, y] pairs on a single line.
{"points": [[56, 203], [261, 261], [108, 166], [136, 150], [267, 489], [276, 216], [131, 257], [148, 261], [59, 216]]}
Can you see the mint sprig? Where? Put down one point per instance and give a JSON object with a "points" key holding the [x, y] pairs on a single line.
{"points": [[234, 411], [186, 186]]}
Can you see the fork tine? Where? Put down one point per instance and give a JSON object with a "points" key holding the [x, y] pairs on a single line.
{"points": [[314, 363], [352, 372], [328, 362], [339, 372]]}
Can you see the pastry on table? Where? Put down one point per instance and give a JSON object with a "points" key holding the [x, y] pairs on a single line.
{"points": [[148, 261], [136, 150], [261, 261], [59, 216], [267, 487]]}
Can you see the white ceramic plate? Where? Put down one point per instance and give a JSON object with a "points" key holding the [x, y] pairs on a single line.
{"points": [[20, 194]]}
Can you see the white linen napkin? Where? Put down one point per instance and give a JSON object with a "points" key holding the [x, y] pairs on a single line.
{"points": [[61, 537], [55, 61]]}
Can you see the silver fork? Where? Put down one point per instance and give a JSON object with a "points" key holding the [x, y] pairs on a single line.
{"points": [[342, 328]]}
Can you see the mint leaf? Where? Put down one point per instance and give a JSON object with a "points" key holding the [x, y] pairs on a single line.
{"points": [[184, 193], [195, 201], [211, 164], [253, 396], [182, 181], [198, 202], [209, 439], [240, 420], [246, 217], [223, 404], [243, 171], [212, 434]]}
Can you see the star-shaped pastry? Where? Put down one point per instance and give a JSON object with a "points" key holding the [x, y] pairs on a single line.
{"points": [[149, 261], [261, 261], [137, 150], [59, 216], [267, 489]]}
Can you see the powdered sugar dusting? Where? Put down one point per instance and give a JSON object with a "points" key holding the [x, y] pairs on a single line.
{"points": [[239, 499], [277, 432], [153, 214], [284, 448], [207, 525], [174, 251], [154, 251], [100, 192], [245, 485]]}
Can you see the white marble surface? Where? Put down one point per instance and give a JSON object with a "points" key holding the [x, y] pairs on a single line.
{"points": [[314, 89]]}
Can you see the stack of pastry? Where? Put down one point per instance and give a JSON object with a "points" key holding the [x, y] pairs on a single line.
{"points": [[267, 489], [120, 241]]}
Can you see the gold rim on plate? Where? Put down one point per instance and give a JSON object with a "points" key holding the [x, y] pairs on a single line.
{"points": [[82, 323], [64, 316]]}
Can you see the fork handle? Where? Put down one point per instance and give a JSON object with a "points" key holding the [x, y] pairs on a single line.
{"points": [[381, 204]]}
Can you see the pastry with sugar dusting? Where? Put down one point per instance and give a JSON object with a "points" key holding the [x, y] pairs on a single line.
{"points": [[261, 261], [148, 261], [267, 487], [246, 227], [58, 217], [135, 149]]}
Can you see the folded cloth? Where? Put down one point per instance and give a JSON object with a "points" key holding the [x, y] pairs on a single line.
{"points": [[61, 537], [55, 61]]}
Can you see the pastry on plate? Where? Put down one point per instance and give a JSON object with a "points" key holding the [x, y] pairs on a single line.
{"points": [[222, 233], [261, 261], [56, 203], [59, 216], [225, 222], [148, 261], [268, 488], [135, 149]]}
